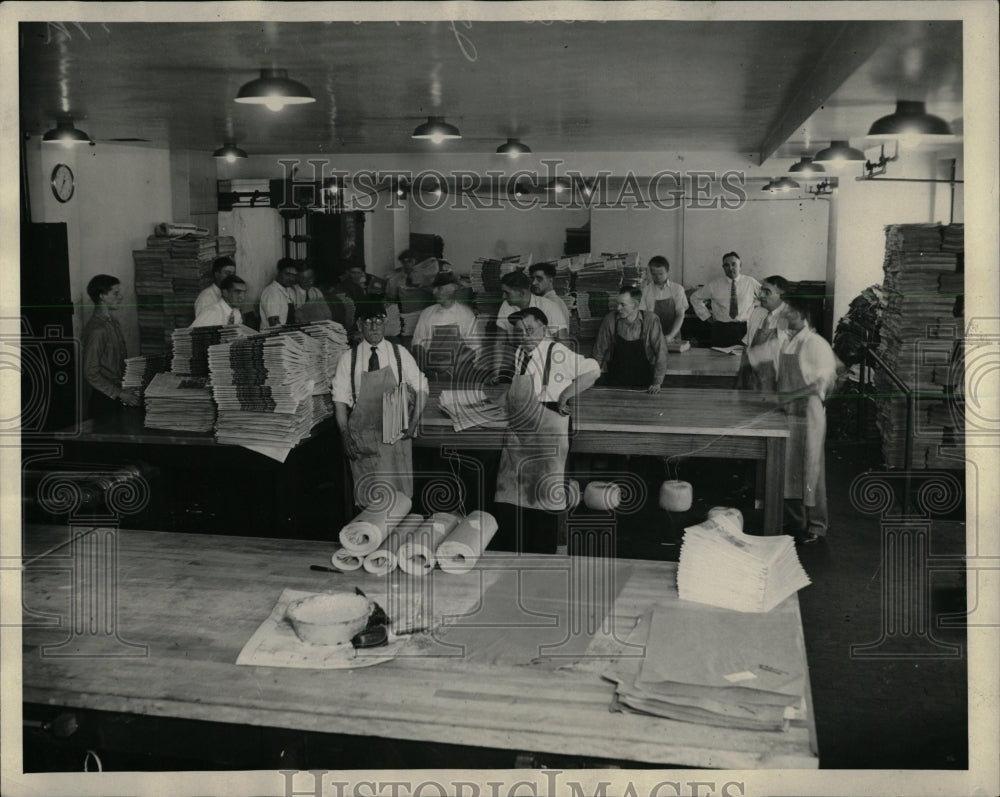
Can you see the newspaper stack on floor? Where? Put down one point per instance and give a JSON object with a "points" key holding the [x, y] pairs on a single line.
{"points": [[715, 667], [180, 403], [139, 371], [722, 566]]}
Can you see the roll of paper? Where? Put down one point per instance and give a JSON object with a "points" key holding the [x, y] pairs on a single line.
{"points": [[384, 560], [731, 512], [345, 560], [463, 547], [417, 554], [369, 529]]}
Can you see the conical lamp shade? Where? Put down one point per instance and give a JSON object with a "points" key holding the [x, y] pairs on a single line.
{"points": [[513, 147], [65, 133], [436, 129], [229, 151], [910, 120], [274, 90], [806, 167], [839, 153]]}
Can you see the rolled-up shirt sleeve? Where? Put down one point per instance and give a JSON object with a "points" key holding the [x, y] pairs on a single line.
{"points": [[602, 346], [341, 386], [698, 301], [656, 347], [412, 374]]}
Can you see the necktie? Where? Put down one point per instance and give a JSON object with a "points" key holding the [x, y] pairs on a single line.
{"points": [[373, 360], [734, 307], [232, 318], [524, 364], [290, 318]]}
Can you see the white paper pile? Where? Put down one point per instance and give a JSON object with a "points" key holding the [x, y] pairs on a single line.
{"points": [[395, 413], [715, 667], [484, 278], [181, 403], [139, 371], [471, 408], [190, 349], [331, 338], [722, 566]]}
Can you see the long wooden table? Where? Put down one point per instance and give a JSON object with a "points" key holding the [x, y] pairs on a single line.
{"points": [[700, 367], [185, 605], [676, 422]]}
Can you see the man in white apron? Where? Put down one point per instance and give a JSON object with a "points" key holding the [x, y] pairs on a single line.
{"points": [[531, 495], [806, 371], [665, 298], [372, 368], [764, 323], [444, 342]]}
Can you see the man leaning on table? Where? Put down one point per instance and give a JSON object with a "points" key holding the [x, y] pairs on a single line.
{"points": [[733, 298], [630, 347], [373, 367], [806, 371], [277, 300], [530, 494], [226, 311]]}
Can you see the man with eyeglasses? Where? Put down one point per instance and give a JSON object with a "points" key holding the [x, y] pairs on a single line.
{"points": [[374, 367]]}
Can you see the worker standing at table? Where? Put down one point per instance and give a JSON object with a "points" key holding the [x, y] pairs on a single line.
{"points": [[104, 350], [375, 366], [444, 338], [310, 303], [517, 295], [764, 323], [530, 494], [277, 300], [222, 267], [806, 371], [630, 347], [542, 277], [403, 291], [664, 298], [733, 298], [226, 311]]}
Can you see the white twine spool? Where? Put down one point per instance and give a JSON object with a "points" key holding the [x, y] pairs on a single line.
{"points": [[676, 496], [602, 495]]}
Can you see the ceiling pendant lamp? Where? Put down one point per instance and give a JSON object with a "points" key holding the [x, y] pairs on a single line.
{"points": [[229, 151], [436, 129], [274, 90], [513, 148], [806, 168], [782, 185], [910, 125], [839, 153], [66, 134]]}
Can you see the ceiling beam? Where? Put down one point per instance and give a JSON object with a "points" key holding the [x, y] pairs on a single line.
{"points": [[852, 44]]}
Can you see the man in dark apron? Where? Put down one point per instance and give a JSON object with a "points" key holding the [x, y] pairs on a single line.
{"points": [[806, 371], [372, 368], [444, 343], [630, 347], [531, 488], [764, 323], [664, 298]]}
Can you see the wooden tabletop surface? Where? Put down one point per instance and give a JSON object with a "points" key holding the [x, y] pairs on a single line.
{"points": [[702, 362], [193, 601]]}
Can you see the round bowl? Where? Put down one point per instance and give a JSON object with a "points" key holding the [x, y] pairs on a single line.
{"points": [[330, 619]]}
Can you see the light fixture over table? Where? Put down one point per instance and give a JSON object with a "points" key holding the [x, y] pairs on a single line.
{"points": [[436, 129], [910, 125], [229, 151], [274, 90], [66, 134], [513, 148]]}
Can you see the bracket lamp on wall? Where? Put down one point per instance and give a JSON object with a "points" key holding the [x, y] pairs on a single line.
{"points": [[823, 188], [513, 148], [66, 134], [229, 151], [436, 129], [806, 168], [839, 153], [910, 125], [878, 168], [274, 90]]}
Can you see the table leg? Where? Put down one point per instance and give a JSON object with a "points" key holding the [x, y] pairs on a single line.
{"points": [[774, 484]]}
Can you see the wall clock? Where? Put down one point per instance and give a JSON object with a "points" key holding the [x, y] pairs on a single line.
{"points": [[62, 182]]}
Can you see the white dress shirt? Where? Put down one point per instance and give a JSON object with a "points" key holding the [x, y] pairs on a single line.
{"points": [[218, 314], [653, 293], [816, 359], [565, 367], [436, 316], [206, 299], [552, 312], [386, 357], [274, 301], [762, 318], [718, 290], [557, 300]]}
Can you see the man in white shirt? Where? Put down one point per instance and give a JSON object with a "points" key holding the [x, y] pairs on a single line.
{"points": [[222, 267], [374, 367], [663, 297], [531, 495], [310, 303], [277, 300], [733, 298], [226, 311], [764, 324], [517, 295], [444, 341], [542, 277]]}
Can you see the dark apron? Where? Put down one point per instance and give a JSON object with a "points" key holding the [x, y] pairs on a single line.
{"points": [[535, 445], [666, 311], [727, 333], [378, 462], [763, 377], [628, 365], [804, 460], [446, 352]]}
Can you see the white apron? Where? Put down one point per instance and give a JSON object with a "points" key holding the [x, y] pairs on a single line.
{"points": [[804, 460]]}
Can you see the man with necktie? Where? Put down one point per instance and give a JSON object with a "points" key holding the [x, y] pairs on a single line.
{"points": [[226, 311], [375, 366], [277, 300], [733, 298]]}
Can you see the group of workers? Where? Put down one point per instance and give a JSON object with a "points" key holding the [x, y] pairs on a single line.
{"points": [[783, 355]]}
